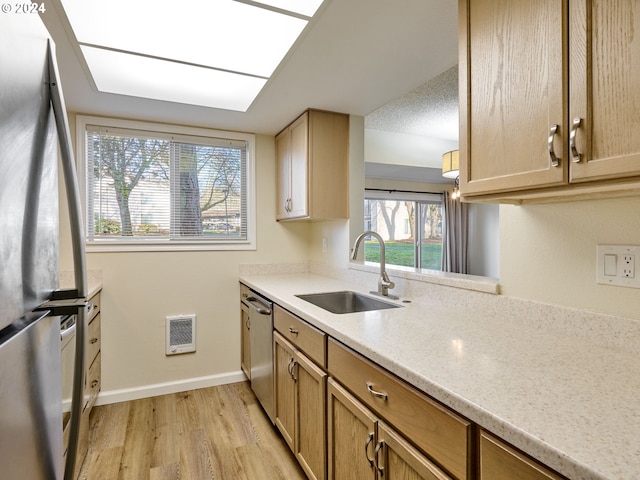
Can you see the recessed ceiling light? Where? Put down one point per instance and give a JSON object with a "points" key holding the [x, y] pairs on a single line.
{"points": [[230, 36], [303, 7], [134, 75]]}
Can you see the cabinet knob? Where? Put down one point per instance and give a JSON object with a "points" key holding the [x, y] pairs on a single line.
{"points": [[575, 155], [555, 161]]}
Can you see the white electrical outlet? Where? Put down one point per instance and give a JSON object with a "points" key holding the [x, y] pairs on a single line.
{"points": [[616, 265], [628, 266]]}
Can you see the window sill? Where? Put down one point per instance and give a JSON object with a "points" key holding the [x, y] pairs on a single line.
{"points": [[167, 246], [457, 280]]}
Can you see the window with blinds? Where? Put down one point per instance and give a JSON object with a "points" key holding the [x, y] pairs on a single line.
{"points": [[145, 186]]}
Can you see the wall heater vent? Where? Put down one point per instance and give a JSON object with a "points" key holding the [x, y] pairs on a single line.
{"points": [[181, 334]]}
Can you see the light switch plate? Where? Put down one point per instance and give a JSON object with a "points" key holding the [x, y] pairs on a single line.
{"points": [[616, 265]]}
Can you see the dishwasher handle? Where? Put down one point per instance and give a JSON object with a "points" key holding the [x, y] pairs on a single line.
{"points": [[260, 307]]}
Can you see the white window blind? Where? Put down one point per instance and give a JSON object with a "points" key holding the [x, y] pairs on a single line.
{"points": [[145, 186]]}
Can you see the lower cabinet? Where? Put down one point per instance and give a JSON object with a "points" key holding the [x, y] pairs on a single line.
{"points": [[364, 423], [92, 378], [300, 406], [245, 345], [362, 446], [442, 434], [500, 461], [245, 327]]}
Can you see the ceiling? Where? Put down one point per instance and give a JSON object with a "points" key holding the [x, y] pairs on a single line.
{"points": [[387, 61]]}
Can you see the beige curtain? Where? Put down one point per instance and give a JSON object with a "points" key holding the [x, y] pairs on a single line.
{"points": [[455, 238]]}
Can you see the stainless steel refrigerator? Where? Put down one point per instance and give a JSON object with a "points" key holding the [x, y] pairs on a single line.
{"points": [[33, 129]]}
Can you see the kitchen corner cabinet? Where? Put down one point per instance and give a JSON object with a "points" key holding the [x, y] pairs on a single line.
{"points": [[549, 95], [362, 446], [92, 378], [301, 388], [312, 156]]}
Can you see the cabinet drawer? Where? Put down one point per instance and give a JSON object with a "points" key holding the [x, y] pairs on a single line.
{"points": [[500, 461], [95, 300], [305, 337], [93, 339], [437, 431], [93, 383], [244, 292]]}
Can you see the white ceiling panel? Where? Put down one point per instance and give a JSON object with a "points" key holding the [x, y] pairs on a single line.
{"points": [[144, 77]]}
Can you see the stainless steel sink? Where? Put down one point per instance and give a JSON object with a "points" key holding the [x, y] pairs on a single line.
{"points": [[346, 302]]}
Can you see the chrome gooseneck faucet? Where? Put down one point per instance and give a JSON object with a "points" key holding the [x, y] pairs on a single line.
{"points": [[384, 284]]}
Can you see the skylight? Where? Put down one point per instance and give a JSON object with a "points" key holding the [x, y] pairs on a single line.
{"points": [[215, 53]]}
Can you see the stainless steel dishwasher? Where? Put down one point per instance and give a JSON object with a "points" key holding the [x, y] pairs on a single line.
{"points": [[261, 341]]}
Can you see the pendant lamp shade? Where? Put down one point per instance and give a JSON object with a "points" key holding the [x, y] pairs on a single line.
{"points": [[450, 164]]}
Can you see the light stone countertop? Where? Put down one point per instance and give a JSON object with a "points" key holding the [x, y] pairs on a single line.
{"points": [[564, 395]]}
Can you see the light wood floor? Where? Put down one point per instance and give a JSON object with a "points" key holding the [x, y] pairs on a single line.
{"points": [[214, 433]]}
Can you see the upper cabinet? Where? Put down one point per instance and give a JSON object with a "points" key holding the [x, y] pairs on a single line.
{"points": [[550, 99], [312, 156]]}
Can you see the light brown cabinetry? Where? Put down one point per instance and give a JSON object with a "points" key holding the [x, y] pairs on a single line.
{"points": [[92, 377], [443, 435], [549, 93], [300, 392], [361, 445], [500, 461], [245, 327], [312, 156]]}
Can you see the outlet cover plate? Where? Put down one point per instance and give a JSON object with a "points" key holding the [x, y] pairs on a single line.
{"points": [[625, 258]]}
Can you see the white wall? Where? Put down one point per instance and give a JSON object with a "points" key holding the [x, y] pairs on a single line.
{"points": [[484, 240], [548, 252]]}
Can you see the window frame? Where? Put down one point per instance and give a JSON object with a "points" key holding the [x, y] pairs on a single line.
{"points": [[418, 198], [165, 244]]}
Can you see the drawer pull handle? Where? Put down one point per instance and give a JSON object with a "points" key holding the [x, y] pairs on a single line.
{"points": [[293, 331], [555, 161], [375, 393], [93, 341], [290, 368], [366, 448], [377, 455], [572, 140], [94, 384]]}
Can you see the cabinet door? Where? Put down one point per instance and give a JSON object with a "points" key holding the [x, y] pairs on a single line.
{"points": [[605, 87], [310, 429], [512, 90], [299, 167], [284, 388], [245, 347], [283, 179], [499, 461], [351, 436], [396, 459]]}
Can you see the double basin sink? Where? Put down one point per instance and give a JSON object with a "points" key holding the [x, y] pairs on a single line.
{"points": [[346, 302]]}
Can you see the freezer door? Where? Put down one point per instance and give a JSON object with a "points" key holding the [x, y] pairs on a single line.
{"points": [[30, 396], [28, 169]]}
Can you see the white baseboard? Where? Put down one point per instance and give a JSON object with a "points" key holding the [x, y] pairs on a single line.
{"points": [[145, 391]]}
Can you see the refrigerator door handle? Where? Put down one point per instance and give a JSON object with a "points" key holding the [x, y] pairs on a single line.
{"points": [[70, 176], [78, 249]]}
